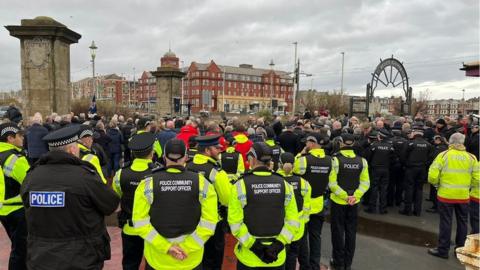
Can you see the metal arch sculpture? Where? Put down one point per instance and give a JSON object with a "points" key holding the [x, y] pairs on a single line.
{"points": [[388, 72]]}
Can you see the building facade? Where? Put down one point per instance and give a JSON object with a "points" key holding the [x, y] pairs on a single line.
{"points": [[239, 89], [452, 107]]}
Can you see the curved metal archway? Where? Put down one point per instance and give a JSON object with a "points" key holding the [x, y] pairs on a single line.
{"points": [[390, 72]]}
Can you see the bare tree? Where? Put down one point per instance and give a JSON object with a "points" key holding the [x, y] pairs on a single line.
{"points": [[419, 106]]}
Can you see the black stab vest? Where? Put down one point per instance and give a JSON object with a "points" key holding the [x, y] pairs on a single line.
{"points": [[294, 180], [129, 181], [349, 170], [317, 173], [230, 162], [12, 187], [204, 169], [176, 208], [264, 213], [276, 152]]}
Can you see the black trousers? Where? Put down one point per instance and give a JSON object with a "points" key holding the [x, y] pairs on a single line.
{"points": [[344, 232], [241, 266], [433, 196], [445, 231], [298, 250], [132, 251], [378, 188], [214, 247], [16, 227], [474, 209], [395, 185], [414, 179], [314, 228]]}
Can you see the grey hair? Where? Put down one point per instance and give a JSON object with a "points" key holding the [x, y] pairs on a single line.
{"points": [[457, 138]]}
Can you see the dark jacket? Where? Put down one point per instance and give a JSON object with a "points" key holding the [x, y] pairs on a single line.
{"points": [[116, 141], [101, 138], [165, 136], [472, 143], [289, 141], [33, 139], [72, 235], [14, 114]]}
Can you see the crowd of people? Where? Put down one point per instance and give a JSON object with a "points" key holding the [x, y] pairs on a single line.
{"points": [[183, 183]]}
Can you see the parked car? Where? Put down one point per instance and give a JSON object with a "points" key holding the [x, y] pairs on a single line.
{"points": [[235, 111], [3, 111]]}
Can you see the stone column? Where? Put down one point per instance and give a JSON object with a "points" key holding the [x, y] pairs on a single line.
{"points": [[45, 58], [168, 88]]}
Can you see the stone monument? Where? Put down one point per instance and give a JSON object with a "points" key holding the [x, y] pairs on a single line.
{"points": [[169, 78], [45, 58]]}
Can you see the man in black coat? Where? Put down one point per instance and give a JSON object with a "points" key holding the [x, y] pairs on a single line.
{"points": [[472, 141], [65, 203], [289, 140]]}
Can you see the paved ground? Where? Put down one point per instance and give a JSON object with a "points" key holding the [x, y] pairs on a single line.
{"points": [[384, 242]]}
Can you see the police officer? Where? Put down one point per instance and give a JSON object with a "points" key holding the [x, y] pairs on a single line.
{"points": [[66, 203], [347, 187], [206, 163], [316, 167], [262, 213], [125, 183], [453, 172], [14, 167], [143, 125], [416, 155], [175, 211], [276, 149], [192, 148], [379, 156], [303, 192], [232, 161], [395, 185], [85, 145]]}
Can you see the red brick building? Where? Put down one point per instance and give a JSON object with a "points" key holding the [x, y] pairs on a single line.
{"points": [[146, 90], [246, 88]]}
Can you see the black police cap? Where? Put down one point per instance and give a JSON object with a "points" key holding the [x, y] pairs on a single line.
{"points": [[208, 140], [384, 133], [85, 131], [143, 122], [8, 129], [142, 142], [175, 149], [63, 136], [287, 157], [261, 151], [347, 138], [317, 138]]}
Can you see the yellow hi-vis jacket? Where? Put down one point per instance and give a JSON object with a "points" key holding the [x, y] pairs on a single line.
{"points": [[238, 201], [15, 167], [304, 214], [92, 159], [156, 246], [218, 177], [240, 164], [454, 172], [138, 165], [300, 168], [340, 196]]}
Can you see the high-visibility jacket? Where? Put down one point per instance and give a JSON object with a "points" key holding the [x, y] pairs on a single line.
{"points": [[156, 245], [305, 191], [301, 167], [338, 193], [236, 219], [138, 165], [157, 148], [213, 172], [240, 166], [454, 172], [90, 157], [14, 168]]}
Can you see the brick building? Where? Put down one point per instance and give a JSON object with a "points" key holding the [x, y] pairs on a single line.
{"points": [[246, 88], [452, 107], [146, 91]]}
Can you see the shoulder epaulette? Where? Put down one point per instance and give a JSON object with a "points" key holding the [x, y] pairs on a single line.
{"points": [[158, 168]]}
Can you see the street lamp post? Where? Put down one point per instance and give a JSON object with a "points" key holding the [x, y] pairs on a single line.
{"points": [[93, 49], [343, 61], [223, 89], [271, 84], [294, 94]]}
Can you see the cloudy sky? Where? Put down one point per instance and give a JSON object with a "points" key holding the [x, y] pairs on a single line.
{"points": [[431, 37]]}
